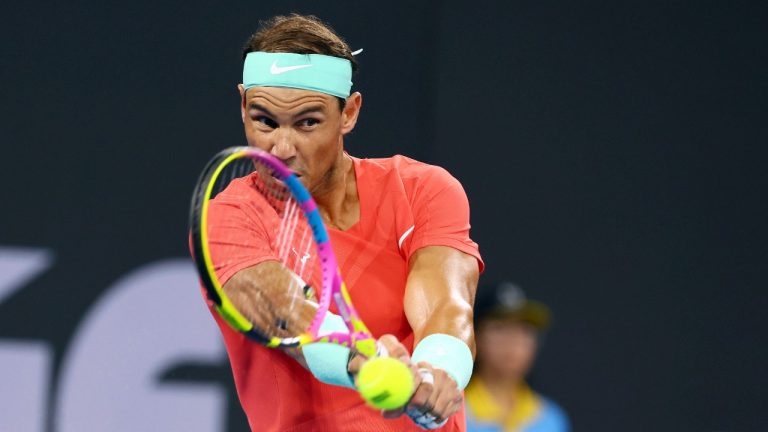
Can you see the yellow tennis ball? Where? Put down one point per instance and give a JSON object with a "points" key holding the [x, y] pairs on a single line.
{"points": [[385, 383]]}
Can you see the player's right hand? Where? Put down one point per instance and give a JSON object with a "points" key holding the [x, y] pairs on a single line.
{"points": [[437, 397]]}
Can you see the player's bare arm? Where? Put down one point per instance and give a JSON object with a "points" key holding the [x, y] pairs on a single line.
{"points": [[440, 293], [259, 299], [438, 300], [261, 302]]}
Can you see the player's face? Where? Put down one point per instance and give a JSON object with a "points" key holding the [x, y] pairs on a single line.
{"points": [[506, 347], [303, 128]]}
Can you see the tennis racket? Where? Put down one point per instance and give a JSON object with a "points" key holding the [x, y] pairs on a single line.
{"points": [[249, 208], [247, 205]]}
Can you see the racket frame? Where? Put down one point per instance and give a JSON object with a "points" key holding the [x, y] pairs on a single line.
{"points": [[333, 287]]}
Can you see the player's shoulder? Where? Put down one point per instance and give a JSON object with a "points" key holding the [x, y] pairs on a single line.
{"points": [[240, 193], [238, 187], [409, 170]]}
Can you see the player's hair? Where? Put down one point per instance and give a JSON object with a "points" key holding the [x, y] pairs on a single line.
{"points": [[299, 34]]}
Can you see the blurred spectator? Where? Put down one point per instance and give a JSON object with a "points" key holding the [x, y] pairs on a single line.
{"points": [[507, 331]]}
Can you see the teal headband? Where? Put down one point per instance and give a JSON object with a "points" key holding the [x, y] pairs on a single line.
{"points": [[316, 72]]}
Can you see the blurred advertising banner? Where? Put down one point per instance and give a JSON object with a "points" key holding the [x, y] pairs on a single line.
{"points": [[116, 372]]}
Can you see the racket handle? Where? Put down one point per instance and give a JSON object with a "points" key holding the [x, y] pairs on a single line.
{"points": [[424, 420], [381, 350]]}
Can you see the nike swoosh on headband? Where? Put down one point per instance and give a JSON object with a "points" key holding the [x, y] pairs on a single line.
{"points": [[277, 70], [329, 75]]}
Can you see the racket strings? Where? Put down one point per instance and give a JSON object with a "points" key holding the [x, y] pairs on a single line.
{"points": [[277, 297], [271, 301]]}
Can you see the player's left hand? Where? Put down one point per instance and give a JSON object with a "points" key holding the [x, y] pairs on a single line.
{"points": [[388, 346], [437, 397]]}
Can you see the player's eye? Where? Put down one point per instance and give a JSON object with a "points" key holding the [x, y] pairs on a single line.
{"points": [[309, 123], [266, 121]]}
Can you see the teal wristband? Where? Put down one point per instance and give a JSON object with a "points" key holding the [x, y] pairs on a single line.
{"points": [[328, 361], [448, 353]]}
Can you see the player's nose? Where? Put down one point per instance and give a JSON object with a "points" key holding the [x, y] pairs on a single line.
{"points": [[283, 146]]}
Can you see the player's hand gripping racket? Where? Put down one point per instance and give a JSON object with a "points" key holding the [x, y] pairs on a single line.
{"points": [[251, 215]]}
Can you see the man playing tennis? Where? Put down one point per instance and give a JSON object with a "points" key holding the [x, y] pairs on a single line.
{"points": [[400, 231]]}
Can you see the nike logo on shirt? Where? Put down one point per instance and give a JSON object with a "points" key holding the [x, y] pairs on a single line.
{"points": [[277, 70]]}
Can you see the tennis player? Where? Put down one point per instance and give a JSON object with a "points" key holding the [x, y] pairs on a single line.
{"points": [[400, 231]]}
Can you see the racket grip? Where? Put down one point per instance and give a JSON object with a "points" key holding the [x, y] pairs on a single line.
{"points": [[424, 420], [381, 350]]}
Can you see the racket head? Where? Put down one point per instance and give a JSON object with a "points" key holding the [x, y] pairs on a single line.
{"points": [[299, 242]]}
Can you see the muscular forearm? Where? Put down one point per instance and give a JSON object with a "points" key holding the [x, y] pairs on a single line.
{"points": [[451, 317], [438, 304], [440, 293], [272, 298]]}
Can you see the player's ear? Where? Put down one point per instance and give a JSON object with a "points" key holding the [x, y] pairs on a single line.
{"points": [[350, 112], [241, 89]]}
